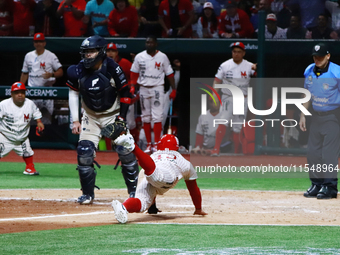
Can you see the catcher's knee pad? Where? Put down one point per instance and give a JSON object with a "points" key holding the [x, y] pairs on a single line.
{"points": [[130, 171], [87, 176], [86, 151]]}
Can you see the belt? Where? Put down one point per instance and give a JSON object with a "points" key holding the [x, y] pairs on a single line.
{"points": [[327, 113]]}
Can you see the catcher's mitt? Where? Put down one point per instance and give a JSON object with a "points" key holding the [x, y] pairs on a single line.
{"points": [[114, 129]]}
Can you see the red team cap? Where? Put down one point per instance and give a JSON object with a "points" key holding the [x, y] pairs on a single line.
{"points": [[111, 46], [238, 44], [168, 142], [39, 37], [208, 5], [271, 16], [18, 86]]}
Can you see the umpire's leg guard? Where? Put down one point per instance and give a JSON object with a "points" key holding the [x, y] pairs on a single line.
{"points": [[130, 171], [87, 174]]}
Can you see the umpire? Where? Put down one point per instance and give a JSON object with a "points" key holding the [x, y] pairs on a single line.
{"points": [[322, 80]]}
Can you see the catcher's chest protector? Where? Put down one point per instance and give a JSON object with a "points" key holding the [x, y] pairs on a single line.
{"points": [[97, 91]]}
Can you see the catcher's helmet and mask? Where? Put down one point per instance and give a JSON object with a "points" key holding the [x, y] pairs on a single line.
{"points": [[93, 42], [168, 142]]}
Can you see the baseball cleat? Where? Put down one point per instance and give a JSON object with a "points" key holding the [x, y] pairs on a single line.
{"points": [[215, 153], [30, 171], [121, 213], [85, 200], [148, 149]]}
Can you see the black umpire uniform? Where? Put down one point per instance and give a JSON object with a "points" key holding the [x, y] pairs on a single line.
{"points": [[322, 79]]}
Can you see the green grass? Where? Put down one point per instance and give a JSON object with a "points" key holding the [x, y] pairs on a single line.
{"points": [[175, 239], [65, 176]]}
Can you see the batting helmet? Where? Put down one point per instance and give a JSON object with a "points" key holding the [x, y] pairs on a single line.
{"points": [[93, 42], [18, 86], [168, 142]]}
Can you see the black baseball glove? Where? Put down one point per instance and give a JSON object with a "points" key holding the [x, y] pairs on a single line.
{"points": [[114, 129]]}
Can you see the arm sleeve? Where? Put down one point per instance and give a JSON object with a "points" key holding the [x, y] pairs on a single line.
{"points": [[167, 66], [199, 129], [195, 193], [135, 65], [199, 29], [24, 66], [36, 112], [55, 62], [219, 74], [73, 101]]}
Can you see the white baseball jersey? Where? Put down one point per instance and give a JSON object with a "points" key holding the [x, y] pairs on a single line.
{"points": [[205, 127], [151, 69], [15, 120], [170, 168], [235, 74], [35, 65]]}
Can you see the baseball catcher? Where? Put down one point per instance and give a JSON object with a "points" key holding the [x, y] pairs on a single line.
{"points": [[105, 99]]}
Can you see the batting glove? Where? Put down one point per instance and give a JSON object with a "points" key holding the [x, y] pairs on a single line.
{"points": [[173, 94], [125, 144]]}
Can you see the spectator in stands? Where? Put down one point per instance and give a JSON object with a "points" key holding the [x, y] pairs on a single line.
{"points": [[46, 19], [197, 12], [276, 6], [295, 30], [176, 18], [283, 17], [322, 31], [309, 11], [149, 24], [207, 25], [123, 20], [98, 11], [272, 31], [73, 12], [6, 17], [263, 5], [41, 67], [23, 17], [334, 9], [219, 5], [234, 23]]}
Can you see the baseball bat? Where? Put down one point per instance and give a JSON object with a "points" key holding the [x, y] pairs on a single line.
{"points": [[170, 117]]}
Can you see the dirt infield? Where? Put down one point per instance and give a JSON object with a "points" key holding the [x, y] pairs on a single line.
{"points": [[30, 210]]}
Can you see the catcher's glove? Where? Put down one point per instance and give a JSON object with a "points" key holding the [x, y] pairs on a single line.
{"points": [[114, 130]]}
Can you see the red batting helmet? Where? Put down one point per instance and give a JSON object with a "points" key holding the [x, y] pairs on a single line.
{"points": [[168, 142], [18, 86]]}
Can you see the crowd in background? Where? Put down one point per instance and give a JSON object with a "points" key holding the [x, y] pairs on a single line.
{"points": [[285, 19]]}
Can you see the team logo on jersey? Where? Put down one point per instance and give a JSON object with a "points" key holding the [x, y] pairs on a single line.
{"points": [[244, 74], [27, 117], [42, 65], [325, 86], [158, 65]]}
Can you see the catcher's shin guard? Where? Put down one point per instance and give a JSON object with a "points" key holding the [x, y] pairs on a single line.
{"points": [[130, 171], [87, 177]]}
